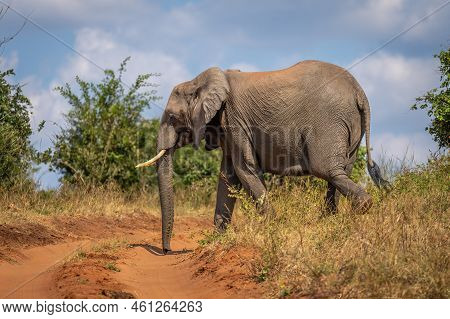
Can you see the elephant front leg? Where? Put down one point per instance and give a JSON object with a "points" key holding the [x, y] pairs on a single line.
{"points": [[250, 174], [225, 202], [254, 185]]}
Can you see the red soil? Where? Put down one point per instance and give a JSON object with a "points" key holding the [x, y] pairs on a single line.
{"points": [[139, 271]]}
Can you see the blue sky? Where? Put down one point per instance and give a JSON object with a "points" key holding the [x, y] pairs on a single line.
{"points": [[182, 38]]}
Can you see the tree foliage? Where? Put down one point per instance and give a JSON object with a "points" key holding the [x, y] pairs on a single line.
{"points": [[15, 130], [105, 133], [437, 103], [359, 167], [191, 165]]}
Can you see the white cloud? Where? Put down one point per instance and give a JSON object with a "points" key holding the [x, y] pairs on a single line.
{"points": [[379, 14], [416, 146], [396, 79], [108, 52], [9, 62], [392, 82], [389, 17], [103, 48], [244, 67]]}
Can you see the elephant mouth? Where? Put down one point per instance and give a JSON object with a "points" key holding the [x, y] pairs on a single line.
{"points": [[184, 137], [209, 147]]}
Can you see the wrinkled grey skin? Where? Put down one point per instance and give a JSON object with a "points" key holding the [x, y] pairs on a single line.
{"points": [[308, 119]]}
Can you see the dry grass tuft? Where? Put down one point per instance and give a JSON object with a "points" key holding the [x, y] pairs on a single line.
{"points": [[397, 250], [37, 206]]}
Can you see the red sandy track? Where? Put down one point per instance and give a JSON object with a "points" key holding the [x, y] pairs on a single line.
{"points": [[42, 272], [31, 276]]}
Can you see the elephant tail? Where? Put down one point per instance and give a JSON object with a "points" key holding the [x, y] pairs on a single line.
{"points": [[372, 167]]}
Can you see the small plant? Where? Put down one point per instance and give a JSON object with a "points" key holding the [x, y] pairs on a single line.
{"points": [[110, 246], [225, 239], [79, 254], [284, 292], [263, 273], [112, 266], [209, 237]]}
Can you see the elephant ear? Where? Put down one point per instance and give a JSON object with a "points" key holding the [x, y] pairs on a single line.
{"points": [[212, 91]]}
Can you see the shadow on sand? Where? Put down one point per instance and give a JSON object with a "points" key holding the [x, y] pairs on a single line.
{"points": [[159, 252]]}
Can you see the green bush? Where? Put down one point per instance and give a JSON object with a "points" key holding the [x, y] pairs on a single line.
{"points": [[15, 149], [192, 165], [359, 168], [437, 103], [105, 134]]}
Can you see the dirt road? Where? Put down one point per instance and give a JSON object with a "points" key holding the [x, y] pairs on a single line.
{"points": [[135, 271]]}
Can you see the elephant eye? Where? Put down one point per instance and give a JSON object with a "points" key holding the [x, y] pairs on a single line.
{"points": [[197, 93], [193, 99], [172, 118]]}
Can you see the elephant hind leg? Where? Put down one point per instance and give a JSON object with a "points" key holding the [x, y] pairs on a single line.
{"points": [[332, 196], [331, 200], [360, 199]]}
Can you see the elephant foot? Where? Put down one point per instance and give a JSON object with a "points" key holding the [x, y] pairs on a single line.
{"points": [[264, 208], [267, 213], [362, 204], [330, 208], [329, 211], [221, 224]]}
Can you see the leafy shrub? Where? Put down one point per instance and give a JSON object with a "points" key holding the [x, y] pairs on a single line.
{"points": [[105, 133], [15, 149], [359, 168], [437, 103], [192, 165]]}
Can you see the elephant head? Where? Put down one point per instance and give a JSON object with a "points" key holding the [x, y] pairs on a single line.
{"points": [[190, 108]]}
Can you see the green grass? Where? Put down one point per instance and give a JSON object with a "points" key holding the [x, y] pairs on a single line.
{"points": [[110, 246], [112, 266], [79, 254]]}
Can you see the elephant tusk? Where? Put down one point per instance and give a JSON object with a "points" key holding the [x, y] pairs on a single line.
{"points": [[153, 160]]}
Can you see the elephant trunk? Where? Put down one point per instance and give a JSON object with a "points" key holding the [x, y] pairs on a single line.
{"points": [[167, 139], [165, 180]]}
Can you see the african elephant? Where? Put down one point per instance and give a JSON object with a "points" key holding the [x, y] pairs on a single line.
{"points": [[308, 119]]}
